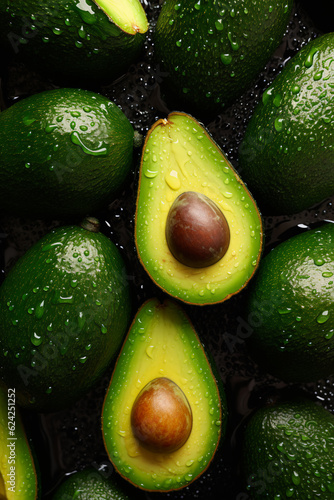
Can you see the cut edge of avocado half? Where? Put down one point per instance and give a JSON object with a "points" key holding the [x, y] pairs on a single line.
{"points": [[128, 15], [162, 342], [18, 475], [179, 155]]}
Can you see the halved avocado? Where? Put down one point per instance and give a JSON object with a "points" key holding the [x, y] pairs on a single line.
{"points": [[179, 159], [163, 345], [18, 477]]}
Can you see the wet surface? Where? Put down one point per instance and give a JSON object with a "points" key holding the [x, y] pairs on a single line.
{"points": [[71, 439]]}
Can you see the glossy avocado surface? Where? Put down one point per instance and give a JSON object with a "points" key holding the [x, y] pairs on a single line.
{"points": [[63, 152], [94, 484], [290, 307], [64, 310], [212, 50], [288, 451], [18, 476], [76, 43], [287, 153], [163, 343], [179, 156]]}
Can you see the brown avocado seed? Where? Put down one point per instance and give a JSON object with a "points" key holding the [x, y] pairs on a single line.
{"points": [[161, 416], [197, 232]]}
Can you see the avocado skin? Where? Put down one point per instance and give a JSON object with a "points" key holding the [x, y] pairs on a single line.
{"points": [[212, 51], [286, 157], [289, 307], [63, 152], [93, 484], [284, 451], [73, 46], [64, 309]]}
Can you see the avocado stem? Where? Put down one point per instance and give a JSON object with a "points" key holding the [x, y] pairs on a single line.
{"points": [[91, 224]]}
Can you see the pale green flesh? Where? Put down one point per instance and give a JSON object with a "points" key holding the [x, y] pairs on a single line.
{"points": [[180, 156], [162, 342], [128, 15]]}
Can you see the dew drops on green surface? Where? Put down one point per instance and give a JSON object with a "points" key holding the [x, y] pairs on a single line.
{"points": [[279, 123], [284, 310], [104, 329], [277, 100], [226, 59], [310, 57], [36, 339], [327, 274], [150, 174], [57, 31], [329, 335], [323, 317]]}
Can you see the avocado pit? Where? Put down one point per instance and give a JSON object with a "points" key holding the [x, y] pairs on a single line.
{"points": [[161, 416], [197, 231]]}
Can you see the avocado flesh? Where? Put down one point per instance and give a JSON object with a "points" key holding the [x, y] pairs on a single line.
{"points": [[212, 51], [178, 156], [128, 15], [76, 43], [162, 343], [286, 157], [15, 453], [289, 308], [288, 451]]}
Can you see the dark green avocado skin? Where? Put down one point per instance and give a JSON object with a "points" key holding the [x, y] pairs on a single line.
{"points": [[63, 152], [287, 154], [64, 309], [211, 51], [73, 42]]}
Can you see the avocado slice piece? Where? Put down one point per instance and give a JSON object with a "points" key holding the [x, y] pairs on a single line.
{"points": [[18, 475], [211, 50], [63, 152], [288, 450], [64, 310], [286, 156], [81, 43], [162, 344], [180, 157], [290, 307]]}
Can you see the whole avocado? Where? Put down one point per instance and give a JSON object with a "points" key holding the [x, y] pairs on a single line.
{"points": [[64, 309], [75, 43], [289, 307], [211, 51], [63, 152], [287, 154], [288, 451]]}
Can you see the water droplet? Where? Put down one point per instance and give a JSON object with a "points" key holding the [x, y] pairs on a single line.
{"points": [[279, 123], [226, 59], [173, 180], [39, 310], [319, 262], [285, 310], [103, 329], [327, 274], [277, 100], [150, 174], [323, 317], [36, 339], [310, 57], [149, 351]]}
